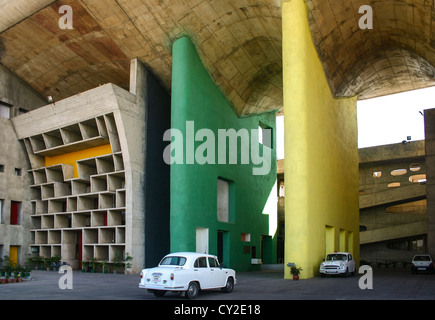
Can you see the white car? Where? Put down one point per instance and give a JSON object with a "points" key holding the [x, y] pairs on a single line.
{"points": [[338, 263], [422, 262], [188, 273]]}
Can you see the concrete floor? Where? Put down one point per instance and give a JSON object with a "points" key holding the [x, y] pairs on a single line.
{"points": [[388, 284]]}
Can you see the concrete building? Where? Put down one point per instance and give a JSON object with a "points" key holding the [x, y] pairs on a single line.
{"points": [[393, 204], [86, 186], [15, 98], [309, 59]]}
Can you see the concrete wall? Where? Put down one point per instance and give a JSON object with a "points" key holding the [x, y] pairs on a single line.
{"points": [[16, 92], [14, 188], [321, 155]]}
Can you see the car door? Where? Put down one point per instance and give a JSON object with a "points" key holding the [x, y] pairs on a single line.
{"points": [[217, 273], [351, 263], [202, 272]]}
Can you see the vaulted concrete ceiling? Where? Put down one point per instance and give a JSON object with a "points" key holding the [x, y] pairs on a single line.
{"points": [[398, 54], [239, 42]]}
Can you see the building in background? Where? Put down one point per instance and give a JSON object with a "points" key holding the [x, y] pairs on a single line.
{"points": [[393, 203]]}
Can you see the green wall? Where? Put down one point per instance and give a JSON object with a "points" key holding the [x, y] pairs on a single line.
{"points": [[195, 97]]}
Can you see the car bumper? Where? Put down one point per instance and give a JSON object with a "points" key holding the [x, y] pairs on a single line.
{"points": [[332, 271], [163, 288], [420, 268]]}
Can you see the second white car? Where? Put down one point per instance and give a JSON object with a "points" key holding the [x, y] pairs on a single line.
{"points": [[338, 263]]}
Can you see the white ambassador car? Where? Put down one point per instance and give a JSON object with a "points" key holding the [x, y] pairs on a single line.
{"points": [[338, 263], [188, 273]]}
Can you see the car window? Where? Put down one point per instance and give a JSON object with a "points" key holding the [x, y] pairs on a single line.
{"points": [[421, 258], [350, 257], [336, 257], [201, 263], [212, 262], [173, 261]]}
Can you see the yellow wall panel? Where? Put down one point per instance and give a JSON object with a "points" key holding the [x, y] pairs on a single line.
{"points": [[321, 152], [73, 157]]}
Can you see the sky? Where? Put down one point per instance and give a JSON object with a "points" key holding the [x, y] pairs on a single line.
{"points": [[384, 120]]}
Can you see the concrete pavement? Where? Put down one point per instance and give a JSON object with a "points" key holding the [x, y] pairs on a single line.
{"points": [[388, 284]]}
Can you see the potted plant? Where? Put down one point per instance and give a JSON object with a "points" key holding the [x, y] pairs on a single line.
{"points": [[94, 264], [117, 262], [295, 272], [104, 266], [47, 263], [127, 260], [55, 261], [8, 270], [84, 265]]}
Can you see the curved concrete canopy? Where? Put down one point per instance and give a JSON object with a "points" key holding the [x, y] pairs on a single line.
{"points": [[239, 42], [398, 54]]}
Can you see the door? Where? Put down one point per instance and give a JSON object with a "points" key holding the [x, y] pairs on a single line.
{"points": [[202, 272], [15, 208], [13, 255], [223, 247], [217, 274]]}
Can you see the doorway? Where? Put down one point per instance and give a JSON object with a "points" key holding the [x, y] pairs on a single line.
{"points": [[223, 247]]}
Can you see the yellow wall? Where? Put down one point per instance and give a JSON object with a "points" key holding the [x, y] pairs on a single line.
{"points": [[321, 153], [73, 157]]}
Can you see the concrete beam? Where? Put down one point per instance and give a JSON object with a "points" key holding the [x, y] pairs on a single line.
{"points": [[395, 232], [392, 195]]}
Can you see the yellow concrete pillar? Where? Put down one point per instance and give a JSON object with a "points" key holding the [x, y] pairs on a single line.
{"points": [[321, 153]]}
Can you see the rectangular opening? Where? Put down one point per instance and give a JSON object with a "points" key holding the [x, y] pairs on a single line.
{"points": [[120, 235], [47, 222], [225, 200], [350, 242], [98, 183], [107, 235], [202, 240], [71, 134], [223, 247], [246, 237], [15, 212], [265, 135], [329, 239], [52, 139], [5, 110], [2, 168], [343, 241], [1, 211], [18, 172]]}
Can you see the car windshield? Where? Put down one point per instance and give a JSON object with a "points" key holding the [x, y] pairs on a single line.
{"points": [[173, 261], [336, 257], [421, 258]]}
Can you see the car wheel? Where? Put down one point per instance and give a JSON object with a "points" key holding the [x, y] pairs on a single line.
{"points": [[192, 290], [229, 286], [159, 293], [346, 274]]}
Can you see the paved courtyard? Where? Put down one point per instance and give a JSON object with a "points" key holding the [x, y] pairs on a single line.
{"points": [[388, 284]]}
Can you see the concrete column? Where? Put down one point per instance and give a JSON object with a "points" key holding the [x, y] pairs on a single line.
{"points": [[429, 121], [321, 153]]}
